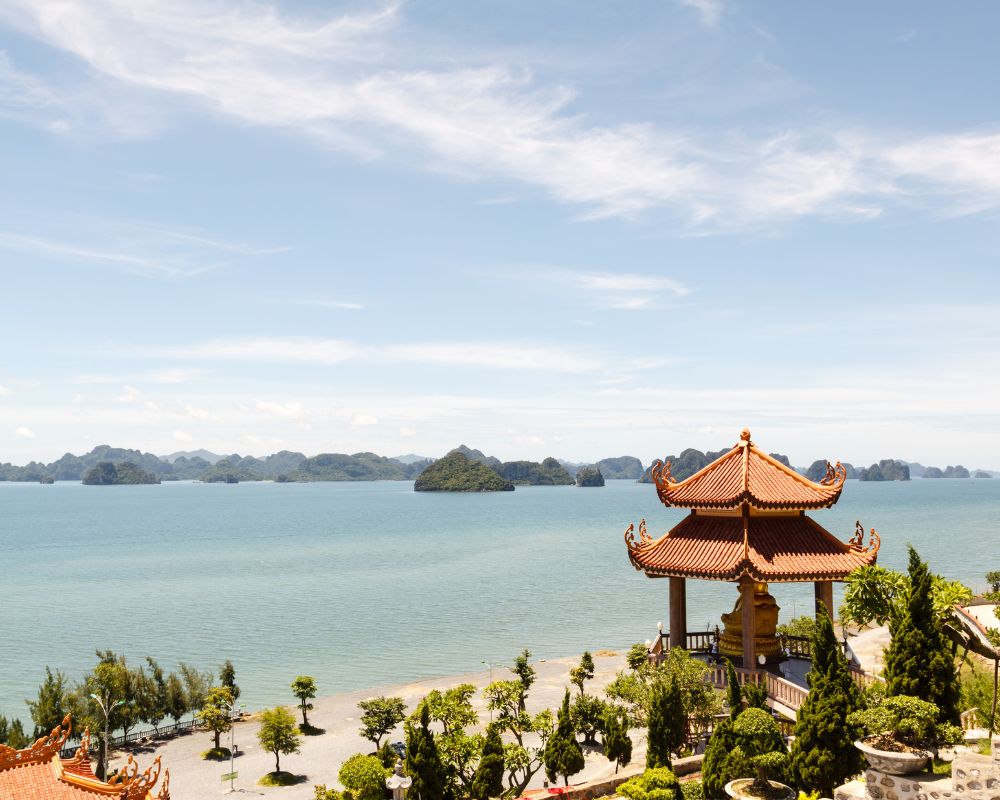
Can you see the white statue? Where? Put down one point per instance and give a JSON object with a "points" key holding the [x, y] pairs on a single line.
{"points": [[398, 782]]}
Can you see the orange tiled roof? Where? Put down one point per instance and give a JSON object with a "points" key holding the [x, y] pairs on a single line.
{"points": [[747, 474], [38, 773], [767, 548]]}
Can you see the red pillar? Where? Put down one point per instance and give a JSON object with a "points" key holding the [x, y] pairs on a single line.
{"points": [[678, 613], [747, 585]]}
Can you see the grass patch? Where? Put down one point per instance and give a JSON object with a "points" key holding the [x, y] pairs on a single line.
{"points": [[311, 730], [281, 779], [985, 747], [216, 754], [940, 767]]}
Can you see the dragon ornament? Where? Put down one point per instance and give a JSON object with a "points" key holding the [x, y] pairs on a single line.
{"points": [[43, 749], [644, 537], [857, 541], [835, 474]]}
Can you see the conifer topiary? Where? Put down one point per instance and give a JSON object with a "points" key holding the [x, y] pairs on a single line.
{"points": [[423, 761], [918, 662], [488, 779], [617, 743], [823, 756], [733, 696], [658, 731], [563, 754]]}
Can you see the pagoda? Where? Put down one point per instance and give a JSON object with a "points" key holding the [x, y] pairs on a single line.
{"points": [[748, 525], [39, 772]]}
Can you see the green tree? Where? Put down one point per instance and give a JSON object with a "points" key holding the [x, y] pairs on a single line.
{"points": [[196, 686], [823, 756], [759, 738], [380, 715], [15, 735], [227, 678], [215, 712], [658, 734], [488, 779], [53, 703], [522, 760], [637, 656], [734, 698], [583, 672], [176, 704], [423, 762], [4, 729], [151, 693], [617, 743], [458, 749], [587, 713], [918, 661], [278, 734], [525, 674], [563, 755], [364, 776], [304, 688]]}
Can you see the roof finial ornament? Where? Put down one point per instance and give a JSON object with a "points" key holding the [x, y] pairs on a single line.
{"points": [[745, 435]]}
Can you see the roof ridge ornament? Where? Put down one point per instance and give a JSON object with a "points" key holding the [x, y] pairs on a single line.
{"points": [[834, 474]]}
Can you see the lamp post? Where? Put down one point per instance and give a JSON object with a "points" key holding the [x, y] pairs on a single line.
{"points": [[106, 710], [231, 708], [489, 666]]}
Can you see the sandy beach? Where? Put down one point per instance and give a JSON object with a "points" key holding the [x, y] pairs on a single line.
{"points": [[192, 778]]}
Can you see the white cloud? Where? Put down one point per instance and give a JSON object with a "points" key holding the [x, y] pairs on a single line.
{"points": [[181, 436], [710, 10], [149, 405], [407, 432], [4, 390], [281, 410], [96, 379], [342, 305], [631, 282], [139, 249], [360, 82], [201, 414], [129, 394], [24, 432], [363, 421], [172, 375], [294, 349]]}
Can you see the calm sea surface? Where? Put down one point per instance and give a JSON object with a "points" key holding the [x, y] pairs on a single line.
{"points": [[362, 584]]}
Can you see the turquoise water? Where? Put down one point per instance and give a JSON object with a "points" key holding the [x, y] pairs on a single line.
{"points": [[362, 584]]}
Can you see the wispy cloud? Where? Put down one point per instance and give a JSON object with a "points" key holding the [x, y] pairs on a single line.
{"points": [[296, 349], [709, 10], [24, 432], [138, 249], [343, 305], [355, 81]]}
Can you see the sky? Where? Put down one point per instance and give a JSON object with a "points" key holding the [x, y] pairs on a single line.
{"points": [[564, 228]]}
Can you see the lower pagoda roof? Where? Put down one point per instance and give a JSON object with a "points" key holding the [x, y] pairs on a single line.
{"points": [[38, 772], [783, 548]]}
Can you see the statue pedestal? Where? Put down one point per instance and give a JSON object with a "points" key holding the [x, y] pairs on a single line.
{"points": [[765, 642]]}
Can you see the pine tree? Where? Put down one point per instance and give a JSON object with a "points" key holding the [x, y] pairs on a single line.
{"points": [[918, 661], [423, 761], [563, 754], [488, 779], [713, 775], [733, 696], [676, 716], [658, 735], [227, 678], [53, 703], [617, 743], [584, 672], [823, 756]]}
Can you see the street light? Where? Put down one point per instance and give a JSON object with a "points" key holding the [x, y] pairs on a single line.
{"points": [[231, 707], [490, 667], [107, 709]]}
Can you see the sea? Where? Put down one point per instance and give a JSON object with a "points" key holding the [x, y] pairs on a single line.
{"points": [[369, 584]]}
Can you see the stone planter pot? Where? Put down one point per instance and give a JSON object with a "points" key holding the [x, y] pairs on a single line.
{"points": [[739, 790], [893, 763]]}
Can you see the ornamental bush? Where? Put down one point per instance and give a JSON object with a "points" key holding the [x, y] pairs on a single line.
{"points": [[653, 784], [364, 776]]}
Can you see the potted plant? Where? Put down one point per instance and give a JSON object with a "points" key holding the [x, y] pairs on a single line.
{"points": [[902, 734], [759, 739]]}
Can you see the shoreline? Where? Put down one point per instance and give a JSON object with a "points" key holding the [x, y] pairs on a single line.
{"points": [[192, 778]]}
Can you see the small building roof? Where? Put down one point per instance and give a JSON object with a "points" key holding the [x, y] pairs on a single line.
{"points": [[748, 475], [767, 548], [39, 773]]}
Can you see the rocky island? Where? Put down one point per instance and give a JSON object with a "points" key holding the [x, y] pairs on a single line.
{"points": [[589, 476], [530, 473], [107, 474], [458, 473], [885, 470]]}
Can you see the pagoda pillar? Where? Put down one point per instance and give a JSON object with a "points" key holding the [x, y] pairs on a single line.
{"points": [[824, 595], [747, 586], [678, 613]]}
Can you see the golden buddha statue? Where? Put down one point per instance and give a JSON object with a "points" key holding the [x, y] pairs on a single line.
{"points": [[765, 615]]}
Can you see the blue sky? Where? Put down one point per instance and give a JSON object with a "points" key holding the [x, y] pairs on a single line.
{"points": [[566, 228]]}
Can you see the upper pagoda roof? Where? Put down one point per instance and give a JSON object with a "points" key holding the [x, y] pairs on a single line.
{"points": [[39, 773], [746, 474]]}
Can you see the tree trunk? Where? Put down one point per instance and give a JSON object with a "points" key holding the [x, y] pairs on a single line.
{"points": [[305, 722], [277, 762], [217, 735]]}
